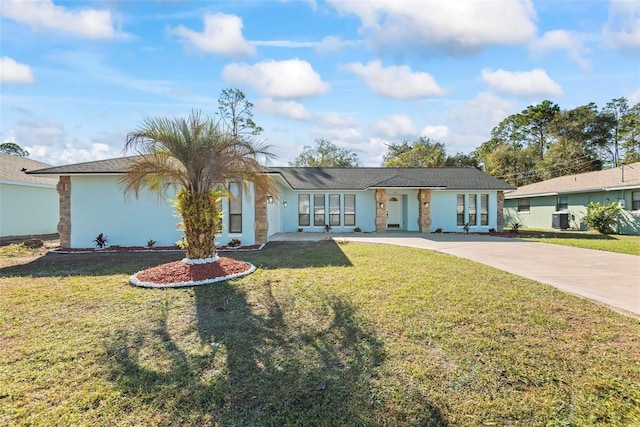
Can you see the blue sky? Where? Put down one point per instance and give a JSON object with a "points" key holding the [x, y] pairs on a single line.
{"points": [[77, 76]]}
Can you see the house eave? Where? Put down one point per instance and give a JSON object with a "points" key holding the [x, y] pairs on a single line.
{"points": [[406, 188], [27, 184], [577, 191]]}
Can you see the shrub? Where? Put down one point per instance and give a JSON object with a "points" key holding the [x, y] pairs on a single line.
{"points": [[234, 243], [101, 241], [357, 230], [151, 243], [439, 230], [603, 218], [515, 228]]}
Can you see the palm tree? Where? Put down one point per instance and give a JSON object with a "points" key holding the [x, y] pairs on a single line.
{"points": [[197, 157]]}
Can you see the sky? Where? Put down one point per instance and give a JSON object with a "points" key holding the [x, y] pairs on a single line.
{"points": [[77, 76]]}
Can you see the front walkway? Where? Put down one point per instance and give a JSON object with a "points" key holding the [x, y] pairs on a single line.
{"points": [[606, 277]]}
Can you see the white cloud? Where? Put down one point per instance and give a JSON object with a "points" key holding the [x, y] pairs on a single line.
{"points": [[622, 30], [397, 82], [438, 132], [471, 122], [397, 125], [331, 44], [293, 110], [571, 42], [14, 72], [634, 97], [521, 83], [89, 23], [337, 120], [60, 155], [293, 78], [284, 43], [461, 25], [222, 35], [39, 132]]}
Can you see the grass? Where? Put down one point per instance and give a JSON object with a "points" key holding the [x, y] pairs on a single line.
{"points": [[590, 240], [322, 334]]}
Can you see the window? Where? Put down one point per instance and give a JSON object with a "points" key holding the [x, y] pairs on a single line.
{"points": [[562, 203], [350, 209], [472, 210], [523, 205], [484, 209], [635, 200], [235, 208], [318, 210], [334, 210], [303, 210], [460, 210]]}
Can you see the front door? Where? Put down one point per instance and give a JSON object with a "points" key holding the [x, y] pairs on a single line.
{"points": [[394, 212]]}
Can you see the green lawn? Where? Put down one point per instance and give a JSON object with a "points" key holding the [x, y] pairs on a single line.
{"points": [[322, 334], [603, 242]]}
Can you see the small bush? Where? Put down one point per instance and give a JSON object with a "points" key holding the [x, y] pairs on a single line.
{"points": [[438, 230], [357, 230], [234, 243], [101, 241], [151, 243], [603, 218], [515, 228]]}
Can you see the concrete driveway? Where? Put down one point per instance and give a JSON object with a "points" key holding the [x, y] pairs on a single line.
{"points": [[606, 277]]}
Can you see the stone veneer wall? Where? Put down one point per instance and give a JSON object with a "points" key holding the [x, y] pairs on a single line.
{"points": [[381, 211], [424, 212], [261, 225], [500, 216], [64, 225]]}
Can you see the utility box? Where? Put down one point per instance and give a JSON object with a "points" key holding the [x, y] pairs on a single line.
{"points": [[560, 221]]}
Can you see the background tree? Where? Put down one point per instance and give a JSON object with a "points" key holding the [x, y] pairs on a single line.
{"points": [[535, 122], [512, 164], [421, 153], [614, 113], [197, 157], [13, 149], [326, 154], [461, 159], [237, 113], [577, 133], [630, 134]]}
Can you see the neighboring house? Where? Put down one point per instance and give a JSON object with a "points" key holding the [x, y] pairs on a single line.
{"points": [[310, 199], [561, 203], [28, 203]]}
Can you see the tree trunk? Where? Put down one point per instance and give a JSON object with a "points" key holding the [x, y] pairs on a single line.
{"points": [[200, 217]]}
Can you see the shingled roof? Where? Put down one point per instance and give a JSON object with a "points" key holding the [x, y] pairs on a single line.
{"points": [[97, 167], [450, 178], [11, 171], [627, 176]]}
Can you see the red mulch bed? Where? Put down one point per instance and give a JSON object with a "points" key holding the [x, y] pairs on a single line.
{"points": [[179, 272], [125, 249]]}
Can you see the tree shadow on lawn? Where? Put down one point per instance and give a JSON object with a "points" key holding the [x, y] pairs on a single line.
{"points": [[274, 255], [270, 368]]}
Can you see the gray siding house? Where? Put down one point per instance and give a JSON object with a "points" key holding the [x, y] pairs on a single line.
{"points": [[561, 203]]}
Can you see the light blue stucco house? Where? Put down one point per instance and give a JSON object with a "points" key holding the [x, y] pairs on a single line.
{"points": [[309, 199], [561, 203], [28, 203]]}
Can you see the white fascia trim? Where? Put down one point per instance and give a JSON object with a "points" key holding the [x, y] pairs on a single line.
{"points": [[407, 188], [28, 184]]}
